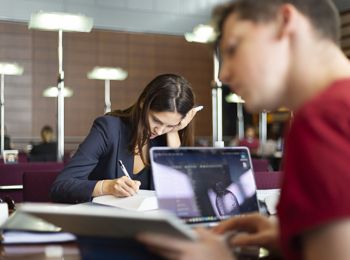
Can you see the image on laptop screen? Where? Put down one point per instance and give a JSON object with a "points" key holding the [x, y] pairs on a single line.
{"points": [[204, 184]]}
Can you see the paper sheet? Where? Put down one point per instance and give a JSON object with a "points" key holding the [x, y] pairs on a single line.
{"points": [[15, 237], [271, 198], [144, 200]]}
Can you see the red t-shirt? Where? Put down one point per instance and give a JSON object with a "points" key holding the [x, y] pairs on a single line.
{"points": [[252, 144], [316, 182]]}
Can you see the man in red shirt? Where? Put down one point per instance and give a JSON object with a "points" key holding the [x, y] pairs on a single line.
{"points": [[250, 140], [285, 52]]}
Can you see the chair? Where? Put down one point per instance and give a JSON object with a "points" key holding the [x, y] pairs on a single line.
{"points": [[37, 185], [260, 165], [22, 157], [11, 176], [268, 180]]}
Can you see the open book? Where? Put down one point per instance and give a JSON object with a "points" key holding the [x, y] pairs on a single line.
{"points": [[271, 198], [99, 221], [142, 201]]}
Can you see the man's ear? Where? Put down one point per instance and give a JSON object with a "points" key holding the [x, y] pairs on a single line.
{"points": [[286, 20]]}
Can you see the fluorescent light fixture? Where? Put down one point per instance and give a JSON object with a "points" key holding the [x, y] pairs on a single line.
{"points": [[202, 33], [107, 73], [283, 109], [234, 98], [7, 68], [52, 91], [53, 21]]}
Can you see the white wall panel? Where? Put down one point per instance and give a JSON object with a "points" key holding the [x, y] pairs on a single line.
{"points": [[143, 5]]}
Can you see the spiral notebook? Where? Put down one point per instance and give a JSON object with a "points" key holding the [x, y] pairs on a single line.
{"points": [[204, 185]]}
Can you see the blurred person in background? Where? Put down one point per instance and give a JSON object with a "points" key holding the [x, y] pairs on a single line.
{"points": [[46, 150], [250, 140]]}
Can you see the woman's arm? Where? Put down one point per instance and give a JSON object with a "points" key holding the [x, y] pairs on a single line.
{"points": [[72, 185], [173, 139]]}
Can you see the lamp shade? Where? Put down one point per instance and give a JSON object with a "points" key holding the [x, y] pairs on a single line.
{"points": [[107, 73], [52, 91], [7, 68], [54, 21], [202, 33], [234, 98]]}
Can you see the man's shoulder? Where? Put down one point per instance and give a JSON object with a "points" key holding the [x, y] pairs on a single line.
{"points": [[338, 91], [334, 100]]}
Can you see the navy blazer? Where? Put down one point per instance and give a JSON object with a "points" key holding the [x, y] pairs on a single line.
{"points": [[97, 159]]}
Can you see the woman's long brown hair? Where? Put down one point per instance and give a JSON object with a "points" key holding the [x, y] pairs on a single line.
{"points": [[165, 93]]}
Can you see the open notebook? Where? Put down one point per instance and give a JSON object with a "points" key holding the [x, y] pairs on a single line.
{"points": [[144, 200], [104, 222]]}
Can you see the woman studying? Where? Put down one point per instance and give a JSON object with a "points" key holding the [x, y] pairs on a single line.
{"points": [[161, 116]]}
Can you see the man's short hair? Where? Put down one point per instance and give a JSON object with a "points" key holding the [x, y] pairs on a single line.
{"points": [[322, 14]]}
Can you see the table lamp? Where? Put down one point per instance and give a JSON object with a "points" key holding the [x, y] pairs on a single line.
{"points": [[61, 22], [107, 74], [52, 91]]}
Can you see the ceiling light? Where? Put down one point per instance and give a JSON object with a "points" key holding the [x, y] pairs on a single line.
{"points": [[202, 33], [53, 21], [7, 68], [234, 98], [103, 73]]}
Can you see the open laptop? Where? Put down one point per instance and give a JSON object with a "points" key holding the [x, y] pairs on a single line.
{"points": [[204, 185]]}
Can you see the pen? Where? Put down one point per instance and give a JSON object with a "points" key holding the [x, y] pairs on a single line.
{"points": [[124, 169]]}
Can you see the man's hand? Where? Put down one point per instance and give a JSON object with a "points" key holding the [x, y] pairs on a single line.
{"points": [[208, 246], [257, 230]]}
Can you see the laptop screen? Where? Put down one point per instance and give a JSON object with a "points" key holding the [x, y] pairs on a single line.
{"points": [[204, 184]]}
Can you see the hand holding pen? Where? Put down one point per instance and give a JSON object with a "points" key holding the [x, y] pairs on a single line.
{"points": [[123, 186]]}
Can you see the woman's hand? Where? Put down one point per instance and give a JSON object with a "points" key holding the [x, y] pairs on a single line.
{"points": [[121, 187], [257, 230], [173, 138], [187, 119], [208, 246]]}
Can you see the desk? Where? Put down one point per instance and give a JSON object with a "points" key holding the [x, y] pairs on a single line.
{"points": [[67, 251], [94, 249], [72, 251], [84, 248]]}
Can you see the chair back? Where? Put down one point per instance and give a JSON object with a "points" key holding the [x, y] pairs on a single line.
{"points": [[268, 180], [260, 165], [37, 185]]}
